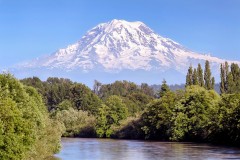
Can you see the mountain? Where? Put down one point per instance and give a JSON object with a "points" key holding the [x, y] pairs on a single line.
{"points": [[120, 49]]}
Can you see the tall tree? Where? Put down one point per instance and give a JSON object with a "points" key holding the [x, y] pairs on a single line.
{"points": [[207, 76], [200, 75], [223, 79], [213, 83], [230, 83], [235, 70], [195, 77], [189, 77], [226, 70]]}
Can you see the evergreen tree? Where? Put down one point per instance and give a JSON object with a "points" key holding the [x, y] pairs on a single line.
{"points": [[236, 77], [223, 79], [189, 77], [231, 80], [207, 76], [235, 71], [230, 83], [164, 88], [200, 75], [195, 77], [213, 83], [226, 70]]}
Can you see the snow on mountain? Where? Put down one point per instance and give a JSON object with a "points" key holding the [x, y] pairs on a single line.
{"points": [[120, 45]]}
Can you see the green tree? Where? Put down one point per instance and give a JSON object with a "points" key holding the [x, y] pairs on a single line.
{"points": [[119, 88], [84, 99], [158, 117], [13, 128], [36, 83], [139, 101], [230, 83], [164, 89], [235, 70], [104, 122], [189, 77], [194, 114], [200, 75], [223, 79], [110, 114], [227, 128], [207, 76], [213, 83], [226, 71], [195, 77], [25, 123], [208, 83]]}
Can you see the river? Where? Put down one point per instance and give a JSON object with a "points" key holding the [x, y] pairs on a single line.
{"points": [[108, 149]]}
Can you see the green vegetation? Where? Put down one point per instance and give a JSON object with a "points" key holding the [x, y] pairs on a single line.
{"points": [[26, 131], [230, 79], [195, 77], [33, 120], [110, 114], [126, 110]]}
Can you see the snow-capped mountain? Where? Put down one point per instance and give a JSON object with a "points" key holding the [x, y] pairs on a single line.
{"points": [[117, 46]]}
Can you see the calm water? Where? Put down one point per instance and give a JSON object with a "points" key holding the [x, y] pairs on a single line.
{"points": [[107, 149]]}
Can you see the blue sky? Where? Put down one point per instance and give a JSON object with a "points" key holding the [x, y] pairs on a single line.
{"points": [[32, 28]]}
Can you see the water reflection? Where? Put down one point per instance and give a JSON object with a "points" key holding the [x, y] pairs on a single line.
{"points": [[107, 149]]}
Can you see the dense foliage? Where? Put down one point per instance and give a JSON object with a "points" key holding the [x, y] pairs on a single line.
{"points": [[26, 131], [196, 77], [126, 110], [230, 79]]}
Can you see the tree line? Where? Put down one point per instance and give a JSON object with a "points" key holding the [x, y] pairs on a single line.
{"points": [[126, 110], [35, 113], [91, 113]]}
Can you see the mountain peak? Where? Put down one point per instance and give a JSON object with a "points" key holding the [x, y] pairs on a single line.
{"points": [[120, 45], [124, 22], [116, 24]]}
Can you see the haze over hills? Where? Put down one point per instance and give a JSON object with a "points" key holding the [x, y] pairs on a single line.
{"points": [[119, 50]]}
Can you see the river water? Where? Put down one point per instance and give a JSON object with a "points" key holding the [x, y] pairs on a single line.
{"points": [[108, 149]]}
